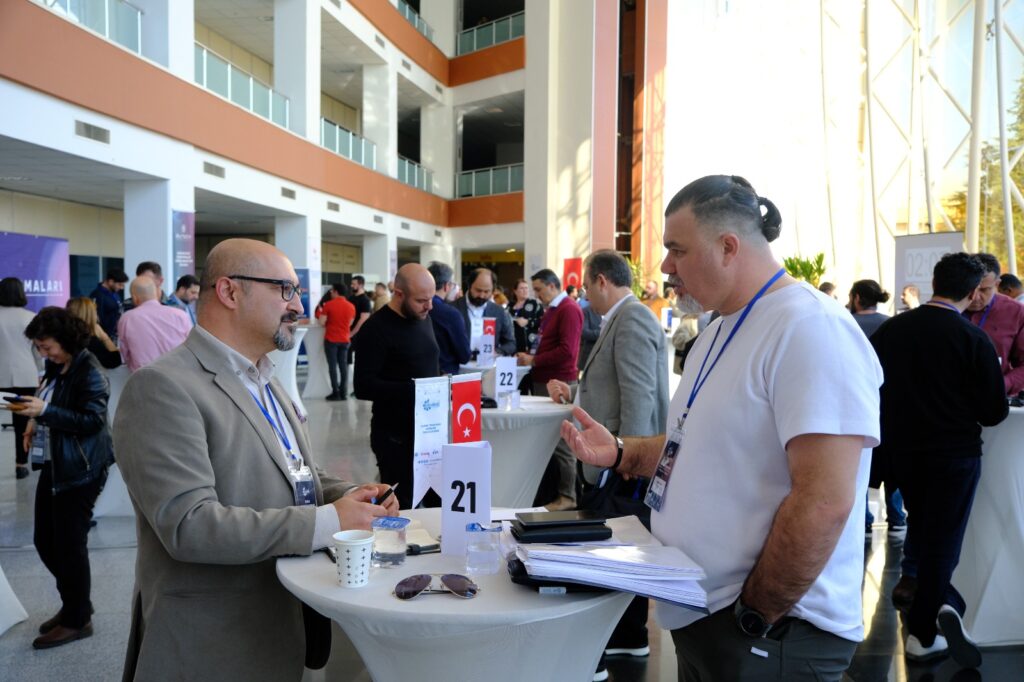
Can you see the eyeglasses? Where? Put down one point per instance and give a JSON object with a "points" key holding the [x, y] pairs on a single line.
{"points": [[414, 585], [288, 289]]}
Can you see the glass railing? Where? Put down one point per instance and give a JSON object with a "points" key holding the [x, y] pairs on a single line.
{"points": [[348, 144], [484, 181], [115, 20], [218, 75], [492, 33], [411, 173], [415, 19]]}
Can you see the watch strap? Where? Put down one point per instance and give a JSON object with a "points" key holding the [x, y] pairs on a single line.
{"points": [[618, 455]]}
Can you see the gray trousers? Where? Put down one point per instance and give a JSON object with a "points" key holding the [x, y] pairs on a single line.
{"points": [[562, 455], [714, 648]]}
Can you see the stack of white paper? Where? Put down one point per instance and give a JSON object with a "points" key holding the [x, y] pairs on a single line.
{"points": [[644, 567]]}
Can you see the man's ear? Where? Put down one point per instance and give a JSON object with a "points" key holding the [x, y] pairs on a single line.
{"points": [[227, 293], [729, 244]]}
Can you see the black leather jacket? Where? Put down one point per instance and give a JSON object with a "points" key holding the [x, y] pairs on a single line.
{"points": [[80, 445]]}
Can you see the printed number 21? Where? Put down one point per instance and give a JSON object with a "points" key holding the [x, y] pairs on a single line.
{"points": [[461, 489]]}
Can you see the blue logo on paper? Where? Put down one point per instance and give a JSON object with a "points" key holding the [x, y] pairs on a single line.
{"points": [[431, 405]]}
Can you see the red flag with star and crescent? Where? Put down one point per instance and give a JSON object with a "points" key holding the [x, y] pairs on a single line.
{"points": [[572, 272], [466, 408]]}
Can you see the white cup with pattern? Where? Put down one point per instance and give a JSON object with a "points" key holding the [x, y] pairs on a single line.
{"points": [[354, 549]]}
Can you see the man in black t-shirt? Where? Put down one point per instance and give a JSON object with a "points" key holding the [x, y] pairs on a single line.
{"points": [[363, 306], [395, 346], [942, 384]]}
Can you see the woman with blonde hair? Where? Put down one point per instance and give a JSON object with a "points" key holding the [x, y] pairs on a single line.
{"points": [[100, 344]]}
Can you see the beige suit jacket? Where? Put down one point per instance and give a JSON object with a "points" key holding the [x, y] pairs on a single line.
{"points": [[214, 508]]}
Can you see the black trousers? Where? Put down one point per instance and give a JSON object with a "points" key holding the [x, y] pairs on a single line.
{"points": [[20, 423], [337, 364], [61, 538], [938, 493], [394, 460]]}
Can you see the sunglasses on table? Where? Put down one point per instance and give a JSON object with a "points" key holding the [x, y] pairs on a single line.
{"points": [[415, 585]]}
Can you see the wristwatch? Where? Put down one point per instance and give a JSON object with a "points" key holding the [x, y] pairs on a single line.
{"points": [[618, 455], [752, 623]]}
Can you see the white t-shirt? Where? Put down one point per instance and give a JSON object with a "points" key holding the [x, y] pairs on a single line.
{"points": [[798, 365]]}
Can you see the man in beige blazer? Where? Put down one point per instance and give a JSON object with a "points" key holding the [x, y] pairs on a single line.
{"points": [[208, 444]]}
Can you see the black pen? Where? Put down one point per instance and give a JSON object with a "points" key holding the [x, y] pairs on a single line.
{"points": [[387, 493], [329, 553]]}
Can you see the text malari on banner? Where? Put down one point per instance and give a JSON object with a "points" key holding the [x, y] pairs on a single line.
{"points": [[466, 408]]}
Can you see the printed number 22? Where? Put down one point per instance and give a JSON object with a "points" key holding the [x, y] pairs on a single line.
{"points": [[461, 489], [505, 379]]}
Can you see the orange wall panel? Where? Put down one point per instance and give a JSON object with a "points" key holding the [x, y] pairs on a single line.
{"points": [[492, 210], [492, 61], [404, 35]]}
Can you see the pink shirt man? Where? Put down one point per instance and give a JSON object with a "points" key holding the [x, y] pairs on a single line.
{"points": [[149, 330]]}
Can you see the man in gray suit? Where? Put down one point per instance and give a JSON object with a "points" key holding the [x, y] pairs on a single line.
{"points": [[218, 464], [477, 304], [624, 387]]}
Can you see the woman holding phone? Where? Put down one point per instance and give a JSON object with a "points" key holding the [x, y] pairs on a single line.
{"points": [[19, 371], [69, 441]]}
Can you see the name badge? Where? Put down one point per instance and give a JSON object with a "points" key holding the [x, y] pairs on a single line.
{"points": [[39, 453], [302, 482], [655, 497]]}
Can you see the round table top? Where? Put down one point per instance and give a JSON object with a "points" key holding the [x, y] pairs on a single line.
{"points": [[313, 579]]}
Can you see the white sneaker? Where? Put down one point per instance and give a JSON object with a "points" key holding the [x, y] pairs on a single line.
{"points": [[961, 647], [915, 651], [639, 652]]}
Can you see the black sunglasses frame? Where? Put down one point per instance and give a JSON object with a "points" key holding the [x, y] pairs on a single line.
{"points": [[471, 589], [296, 288]]}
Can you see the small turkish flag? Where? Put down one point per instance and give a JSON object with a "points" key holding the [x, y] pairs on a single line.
{"points": [[572, 272], [489, 326], [466, 409]]}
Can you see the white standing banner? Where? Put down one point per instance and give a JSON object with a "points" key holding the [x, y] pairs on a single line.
{"points": [[916, 256], [466, 492], [506, 382], [433, 405]]}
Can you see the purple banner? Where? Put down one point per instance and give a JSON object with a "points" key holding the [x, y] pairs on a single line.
{"points": [[183, 224], [41, 263]]}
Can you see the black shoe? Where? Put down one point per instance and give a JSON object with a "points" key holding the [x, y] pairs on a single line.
{"points": [[903, 593], [21, 472], [961, 647], [334, 396]]}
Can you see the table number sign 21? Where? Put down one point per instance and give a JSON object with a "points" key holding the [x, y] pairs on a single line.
{"points": [[465, 492]]}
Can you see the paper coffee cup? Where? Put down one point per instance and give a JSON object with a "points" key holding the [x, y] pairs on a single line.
{"points": [[354, 549]]}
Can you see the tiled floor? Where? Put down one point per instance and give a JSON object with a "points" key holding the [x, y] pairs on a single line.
{"points": [[340, 431]]}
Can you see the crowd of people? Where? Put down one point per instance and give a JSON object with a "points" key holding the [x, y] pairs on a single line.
{"points": [[777, 441]]}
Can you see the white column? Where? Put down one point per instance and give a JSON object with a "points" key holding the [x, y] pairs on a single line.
{"points": [[442, 15], [380, 115], [148, 211], [380, 258], [297, 63], [168, 35], [539, 145], [443, 253], [437, 146], [299, 237]]}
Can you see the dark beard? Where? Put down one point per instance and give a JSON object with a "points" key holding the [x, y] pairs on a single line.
{"points": [[477, 302]]}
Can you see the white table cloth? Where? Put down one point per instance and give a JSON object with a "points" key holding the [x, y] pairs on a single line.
{"points": [[318, 381], [507, 632], [284, 368], [487, 376], [11, 610], [113, 499], [992, 558], [522, 441]]}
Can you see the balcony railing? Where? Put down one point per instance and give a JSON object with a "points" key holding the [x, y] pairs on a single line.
{"points": [[218, 75], [492, 33], [484, 181], [348, 144], [411, 173], [115, 20], [415, 19]]}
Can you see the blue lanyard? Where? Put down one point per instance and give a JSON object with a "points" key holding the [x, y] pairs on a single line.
{"points": [[988, 309], [278, 425], [948, 305], [701, 376]]}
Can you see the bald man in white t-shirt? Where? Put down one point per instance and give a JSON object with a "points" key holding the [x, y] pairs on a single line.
{"points": [[762, 473]]}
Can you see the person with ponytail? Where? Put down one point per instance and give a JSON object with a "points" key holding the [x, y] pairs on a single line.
{"points": [[865, 295], [758, 477]]}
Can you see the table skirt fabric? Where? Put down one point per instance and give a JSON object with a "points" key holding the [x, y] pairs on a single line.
{"points": [[318, 381], [989, 574], [11, 610]]}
